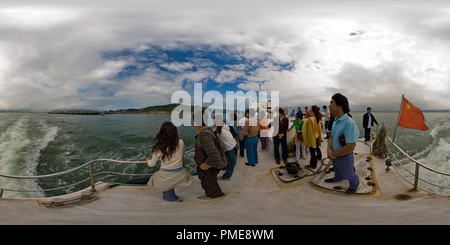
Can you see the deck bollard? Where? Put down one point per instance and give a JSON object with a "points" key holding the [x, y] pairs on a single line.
{"points": [[85, 195], [58, 201]]}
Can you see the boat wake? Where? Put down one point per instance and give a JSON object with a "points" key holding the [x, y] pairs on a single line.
{"points": [[20, 149], [437, 156]]}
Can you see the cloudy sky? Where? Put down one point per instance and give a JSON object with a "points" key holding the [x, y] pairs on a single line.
{"points": [[132, 54]]}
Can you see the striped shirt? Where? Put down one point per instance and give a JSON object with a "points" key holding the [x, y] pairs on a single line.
{"points": [[347, 126]]}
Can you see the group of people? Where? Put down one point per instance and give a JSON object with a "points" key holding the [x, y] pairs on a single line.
{"points": [[342, 136]]}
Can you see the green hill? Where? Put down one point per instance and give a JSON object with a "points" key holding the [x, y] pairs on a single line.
{"points": [[160, 108]]}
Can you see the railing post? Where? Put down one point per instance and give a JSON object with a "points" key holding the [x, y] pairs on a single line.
{"points": [[416, 178], [91, 173], [1, 193]]}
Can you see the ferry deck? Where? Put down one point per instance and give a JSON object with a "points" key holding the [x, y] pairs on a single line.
{"points": [[254, 195]]}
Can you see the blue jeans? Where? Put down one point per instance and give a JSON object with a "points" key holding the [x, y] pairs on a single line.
{"points": [[251, 144], [232, 163], [344, 169], [276, 145]]}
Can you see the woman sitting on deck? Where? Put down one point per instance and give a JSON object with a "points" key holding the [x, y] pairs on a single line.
{"points": [[170, 149]]}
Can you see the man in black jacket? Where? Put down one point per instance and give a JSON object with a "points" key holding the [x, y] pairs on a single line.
{"points": [[280, 138], [368, 120]]}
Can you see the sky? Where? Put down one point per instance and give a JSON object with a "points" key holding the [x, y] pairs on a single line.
{"points": [[106, 55]]}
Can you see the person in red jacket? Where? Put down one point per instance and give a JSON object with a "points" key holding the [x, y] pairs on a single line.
{"points": [[306, 112]]}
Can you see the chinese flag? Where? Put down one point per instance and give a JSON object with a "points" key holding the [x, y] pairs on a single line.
{"points": [[411, 117]]}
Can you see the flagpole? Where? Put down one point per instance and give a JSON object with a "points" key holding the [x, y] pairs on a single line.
{"points": [[398, 119]]}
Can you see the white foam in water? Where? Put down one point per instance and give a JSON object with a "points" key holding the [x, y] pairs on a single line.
{"points": [[436, 156], [19, 154]]}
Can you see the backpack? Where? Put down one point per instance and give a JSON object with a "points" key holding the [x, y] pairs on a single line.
{"points": [[233, 130], [292, 167], [223, 164]]}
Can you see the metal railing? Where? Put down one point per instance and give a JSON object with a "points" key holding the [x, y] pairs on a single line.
{"points": [[91, 175], [417, 168]]}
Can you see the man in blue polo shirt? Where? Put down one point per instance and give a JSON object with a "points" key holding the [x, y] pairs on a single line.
{"points": [[340, 152]]}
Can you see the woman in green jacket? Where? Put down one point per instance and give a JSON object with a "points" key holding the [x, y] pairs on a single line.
{"points": [[299, 147]]}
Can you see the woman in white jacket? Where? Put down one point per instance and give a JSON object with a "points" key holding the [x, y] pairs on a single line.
{"points": [[223, 131], [170, 149]]}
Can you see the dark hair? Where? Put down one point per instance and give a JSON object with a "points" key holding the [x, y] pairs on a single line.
{"points": [[217, 120], [251, 112], [341, 100], [280, 111], [200, 115], [299, 115], [166, 140], [233, 116], [317, 113]]}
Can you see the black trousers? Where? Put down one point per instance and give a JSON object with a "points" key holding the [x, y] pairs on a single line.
{"points": [[367, 134], [208, 180], [241, 147]]}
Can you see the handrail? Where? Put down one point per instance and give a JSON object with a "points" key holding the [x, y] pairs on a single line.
{"points": [[91, 175], [414, 160], [418, 164], [65, 172]]}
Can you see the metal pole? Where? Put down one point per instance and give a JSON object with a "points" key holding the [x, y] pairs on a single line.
{"points": [[416, 178], [398, 119], [91, 173]]}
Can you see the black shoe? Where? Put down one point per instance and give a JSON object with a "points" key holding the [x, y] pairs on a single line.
{"points": [[350, 191], [249, 164], [331, 169], [330, 180]]}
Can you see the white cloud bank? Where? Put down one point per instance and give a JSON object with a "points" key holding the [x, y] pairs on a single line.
{"points": [[52, 54]]}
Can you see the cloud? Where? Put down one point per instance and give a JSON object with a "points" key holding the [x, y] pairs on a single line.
{"points": [[226, 76], [36, 17], [79, 55], [176, 66]]}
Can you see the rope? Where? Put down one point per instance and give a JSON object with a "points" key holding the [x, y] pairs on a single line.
{"points": [[379, 148]]}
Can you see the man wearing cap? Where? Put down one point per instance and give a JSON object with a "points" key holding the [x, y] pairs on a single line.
{"points": [[368, 120]]}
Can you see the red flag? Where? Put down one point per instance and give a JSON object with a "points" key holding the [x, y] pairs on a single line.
{"points": [[411, 117]]}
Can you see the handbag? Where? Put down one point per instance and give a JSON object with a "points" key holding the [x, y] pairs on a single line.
{"points": [[300, 136], [342, 140]]}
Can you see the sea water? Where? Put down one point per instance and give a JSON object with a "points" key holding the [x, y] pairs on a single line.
{"points": [[431, 147], [40, 143]]}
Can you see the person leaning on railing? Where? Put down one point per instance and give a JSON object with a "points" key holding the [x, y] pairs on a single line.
{"points": [[170, 149]]}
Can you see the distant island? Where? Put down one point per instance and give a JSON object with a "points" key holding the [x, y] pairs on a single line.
{"points": [[158, 109]]}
